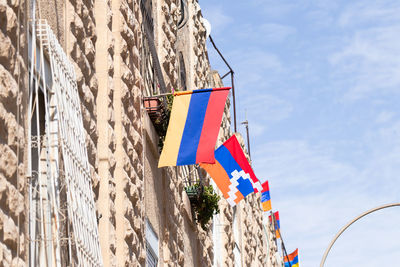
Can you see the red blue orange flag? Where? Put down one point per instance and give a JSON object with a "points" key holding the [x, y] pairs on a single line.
{"points": [[293, 258], [265, 197], [232, 172], [193, 127], [277, 225]]}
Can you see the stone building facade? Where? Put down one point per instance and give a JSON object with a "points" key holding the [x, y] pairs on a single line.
{"points": [[122, 51]]}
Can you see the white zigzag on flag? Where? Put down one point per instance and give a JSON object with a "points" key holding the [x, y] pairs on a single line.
{"points": [[257, 185], [234, 183], [233, 186]]}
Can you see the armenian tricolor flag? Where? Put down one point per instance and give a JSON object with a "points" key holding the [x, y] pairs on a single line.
{"points": [[293, 258], [232, 172], [193, 127], [265, 197], [277, 225]]}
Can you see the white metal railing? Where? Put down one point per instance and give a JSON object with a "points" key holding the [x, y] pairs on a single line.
{"points": [[44, 239], [81, 206], [63, 127]]}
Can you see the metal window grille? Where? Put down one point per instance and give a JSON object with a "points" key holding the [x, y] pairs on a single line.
{"points": [[44, 219], [192, 181], [151, 246], [151, 68], [151, 260], [63, 127]]}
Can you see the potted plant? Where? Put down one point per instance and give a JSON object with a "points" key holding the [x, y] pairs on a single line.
{"points": [[205, 205]]}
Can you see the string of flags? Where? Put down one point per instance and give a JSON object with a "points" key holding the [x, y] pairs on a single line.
{"points": [[191, 138]]}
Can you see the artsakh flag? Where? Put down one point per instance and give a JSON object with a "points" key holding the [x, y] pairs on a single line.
{"points": [[277, 225], [293, 258], [232, 172], [193, 127], [265, 197]]}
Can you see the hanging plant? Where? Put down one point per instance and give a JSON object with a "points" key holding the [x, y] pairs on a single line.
{"points": [[206, 206]]}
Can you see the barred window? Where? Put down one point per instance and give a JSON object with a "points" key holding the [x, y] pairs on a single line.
{"points": [[62, 214], [151, 246]]}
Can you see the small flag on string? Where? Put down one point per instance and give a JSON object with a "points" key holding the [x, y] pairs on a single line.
{"points": [[277, 225], [265, 197], [193, 127], [293, 258], [232, 172]]}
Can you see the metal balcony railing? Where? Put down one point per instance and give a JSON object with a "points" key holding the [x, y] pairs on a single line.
{"points": [[192, 182]]}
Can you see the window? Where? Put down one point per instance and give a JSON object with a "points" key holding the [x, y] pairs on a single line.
{"points": [[150, 69], [62, 217], [237, 255], [43, 187], [151, 246], [236, 237]]}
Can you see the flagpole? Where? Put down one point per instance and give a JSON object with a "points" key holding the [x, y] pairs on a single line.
{"points": [[284, 249], [246, 124], [282, 243], [190, 92], [202, 90]]}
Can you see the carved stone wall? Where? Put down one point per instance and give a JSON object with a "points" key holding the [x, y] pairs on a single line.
{"points": [[13, 77], [106, 122]]}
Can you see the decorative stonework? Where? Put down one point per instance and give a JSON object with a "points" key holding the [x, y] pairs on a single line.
{"points": [[13, 73]]}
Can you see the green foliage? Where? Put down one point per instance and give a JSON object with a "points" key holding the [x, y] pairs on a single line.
{"points": [[206, 206], [163, 123]]}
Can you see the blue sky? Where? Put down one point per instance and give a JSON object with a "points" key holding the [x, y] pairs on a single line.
{"points": [[320, 83]]}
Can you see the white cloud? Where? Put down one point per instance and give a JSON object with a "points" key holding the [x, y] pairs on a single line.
{"points": [[272, 8], [293, 163], [265, 33], [275, 32], [256, 60], [384, 117], [271, 107], [370, 62], [218, 18], [367, 12]]}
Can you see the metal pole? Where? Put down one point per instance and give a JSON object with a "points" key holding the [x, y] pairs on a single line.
{"points": [[246, 123], [282, 243], [234, 101], [248, 139], [232, 81], [226, 62], [284, 250], [283, 247], [191, 92], [350, 223]]}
